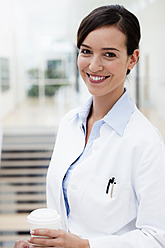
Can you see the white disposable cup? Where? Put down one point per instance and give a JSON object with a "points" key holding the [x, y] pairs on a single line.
{"points": [[44, 218]]}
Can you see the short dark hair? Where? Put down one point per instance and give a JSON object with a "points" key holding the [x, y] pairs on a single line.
{"points": [[112, 15]]}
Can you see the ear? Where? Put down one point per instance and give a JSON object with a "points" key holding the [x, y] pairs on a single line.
{"points": [[133, 59]]}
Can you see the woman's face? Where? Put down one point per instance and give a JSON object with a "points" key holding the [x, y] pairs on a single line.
{"points": [[103, 61]]}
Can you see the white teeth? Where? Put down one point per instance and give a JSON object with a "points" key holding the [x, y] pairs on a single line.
{"points": [[96, 78]]}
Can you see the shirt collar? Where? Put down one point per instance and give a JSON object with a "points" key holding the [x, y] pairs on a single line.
{"points": [[117, 118], [84, 111]]}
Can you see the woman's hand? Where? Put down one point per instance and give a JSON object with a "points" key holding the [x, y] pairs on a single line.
{"points": [[21, 244], [57, 238]]}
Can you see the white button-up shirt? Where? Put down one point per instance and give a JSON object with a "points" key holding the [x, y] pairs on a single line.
{"points": [[128, 148]]}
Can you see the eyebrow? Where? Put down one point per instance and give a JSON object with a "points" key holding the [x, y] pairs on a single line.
{"points": [[105, 48]]}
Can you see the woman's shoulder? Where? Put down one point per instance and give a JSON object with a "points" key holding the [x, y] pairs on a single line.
{"points": [[77, 112], [142, 129], [69, 117]]}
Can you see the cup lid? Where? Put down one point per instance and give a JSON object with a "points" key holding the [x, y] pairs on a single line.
{"points": [[43, 216]]}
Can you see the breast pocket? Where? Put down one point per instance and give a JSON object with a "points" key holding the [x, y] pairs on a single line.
{"points": [[108, 213]]}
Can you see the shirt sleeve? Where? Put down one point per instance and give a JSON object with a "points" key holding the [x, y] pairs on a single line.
{"points": [[149, 186]]}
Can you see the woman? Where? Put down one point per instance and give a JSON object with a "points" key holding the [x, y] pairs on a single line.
{"points": [[106, 176]]}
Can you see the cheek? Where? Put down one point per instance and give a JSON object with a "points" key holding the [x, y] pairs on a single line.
{"points": [[116, 67], [82, 63], [111, 66]]}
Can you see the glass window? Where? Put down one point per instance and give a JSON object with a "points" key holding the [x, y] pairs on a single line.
{"points": [[55, 69]]}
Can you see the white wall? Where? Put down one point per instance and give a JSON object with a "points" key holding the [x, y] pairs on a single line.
{"points": [[6, 35], [152, 56], [5, 47]]}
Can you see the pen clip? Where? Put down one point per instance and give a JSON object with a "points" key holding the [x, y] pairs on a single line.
{"points": [[112, 188]]}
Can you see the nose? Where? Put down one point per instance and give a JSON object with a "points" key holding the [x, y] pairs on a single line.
{"points": [[95, 64]]}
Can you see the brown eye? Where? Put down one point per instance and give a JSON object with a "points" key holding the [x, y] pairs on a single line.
{"points": [[85, 51], [110, 55]]}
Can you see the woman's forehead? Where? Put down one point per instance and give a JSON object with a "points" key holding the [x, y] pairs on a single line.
{"points": [[105, 36]]}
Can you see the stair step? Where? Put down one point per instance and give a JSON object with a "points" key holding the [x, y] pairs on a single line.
{"points": [[23, 180], [32, 139], [22, 172], [13, 222], [26, 155], [25, 146], [20, 197], [13, 238], [21, 207], [24, 163], [8, 189]]}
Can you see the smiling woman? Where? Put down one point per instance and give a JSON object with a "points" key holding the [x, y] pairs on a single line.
{"points": [[106, 176], [103, 63]]}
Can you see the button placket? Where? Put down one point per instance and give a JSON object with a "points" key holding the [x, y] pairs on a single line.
{"points": [[104, 132]]}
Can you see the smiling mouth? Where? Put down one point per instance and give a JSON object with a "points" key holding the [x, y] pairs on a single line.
{"points": [[97, 78]]}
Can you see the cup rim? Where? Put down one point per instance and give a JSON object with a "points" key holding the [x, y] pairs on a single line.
{"points": [[31, 219]]}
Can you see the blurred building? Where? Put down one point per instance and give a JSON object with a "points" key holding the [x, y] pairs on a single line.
{"points": [[57, 68]]}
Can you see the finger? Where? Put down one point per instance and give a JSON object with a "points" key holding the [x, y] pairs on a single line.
{"points": [[36, 246], [46, 232], [45, 242], [38, 241], [21, 244], [33, 246]]}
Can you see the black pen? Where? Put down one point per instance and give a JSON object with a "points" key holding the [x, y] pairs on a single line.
{"points": [[107, 190], [111, 180]]}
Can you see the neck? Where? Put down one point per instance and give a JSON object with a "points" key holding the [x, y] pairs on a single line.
{"points": [[102, 105]]}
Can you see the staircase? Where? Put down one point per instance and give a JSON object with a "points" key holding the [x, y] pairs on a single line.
{"points": [[24, 163]]}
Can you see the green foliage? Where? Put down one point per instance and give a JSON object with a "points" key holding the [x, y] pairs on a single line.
{"points": [[54, 71], [50, 90], [33, 91], [54, 74], [33, 73]]}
